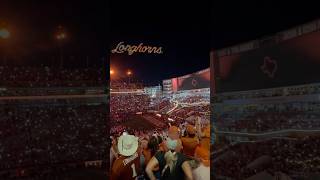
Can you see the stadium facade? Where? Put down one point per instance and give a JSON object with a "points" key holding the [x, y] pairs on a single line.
{"points": [[265, 94], [153, 91]]}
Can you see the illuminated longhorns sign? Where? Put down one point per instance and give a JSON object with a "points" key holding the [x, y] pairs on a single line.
{"points": [[130, 49]]}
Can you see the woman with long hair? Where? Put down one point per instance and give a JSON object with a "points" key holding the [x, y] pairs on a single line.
{"points": [[150, 151], [172, 163]]}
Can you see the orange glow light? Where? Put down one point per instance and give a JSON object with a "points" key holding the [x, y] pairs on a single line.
{"points": [[129, 73], [111, 72], [61, 36]]}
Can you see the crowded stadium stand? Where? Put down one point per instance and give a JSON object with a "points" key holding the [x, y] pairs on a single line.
{"points": [[22, 76], [52, 123], [149, 112], [266, 107]]}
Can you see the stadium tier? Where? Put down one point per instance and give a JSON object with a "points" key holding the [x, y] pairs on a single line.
{"points": [[51, 122], [128, 99], [50, 132], [266, 107], [21, 76]]}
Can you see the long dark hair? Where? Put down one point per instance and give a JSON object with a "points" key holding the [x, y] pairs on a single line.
{"points": [[153, 145]]}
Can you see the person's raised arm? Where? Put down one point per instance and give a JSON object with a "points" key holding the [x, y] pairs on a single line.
{"points": [[187, 170], [151, 165]]}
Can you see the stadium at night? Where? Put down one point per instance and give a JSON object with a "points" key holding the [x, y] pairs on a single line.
{"points": [[53, 102], [195, 91], [146, 102], [176, 99], [265, 97]]}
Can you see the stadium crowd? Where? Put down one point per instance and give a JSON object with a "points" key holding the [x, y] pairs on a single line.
{"points": [[273, 92], [160, 137], [125, 105], [270, 117], [186, 112], [23, 76], [36, 136], [283, 150], [161, 104], [149, 151], [121, 85], [292, 156], [189, 98]]}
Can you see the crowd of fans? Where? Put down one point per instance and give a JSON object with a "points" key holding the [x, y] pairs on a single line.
{"points": [[161, 103], [55, 135], [273, 92], [189, 98], [269, 117], [78, 171], [30, 77], [122, 85], [133, 124], [40, 135], [4, 92], [186, 112], [191, 147], [127, 112], [123, 106], [294, 154], [296, 158]]}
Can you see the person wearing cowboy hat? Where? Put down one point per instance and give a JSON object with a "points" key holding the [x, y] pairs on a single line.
{"points": [[127, 165]]}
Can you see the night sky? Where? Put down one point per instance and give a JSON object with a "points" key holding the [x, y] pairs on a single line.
{"points": [[186, 30], [33, 25], [234, 22], [189, 30], [175, 27]]}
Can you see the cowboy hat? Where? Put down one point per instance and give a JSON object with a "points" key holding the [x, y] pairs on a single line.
{"points": [[127, 145]]}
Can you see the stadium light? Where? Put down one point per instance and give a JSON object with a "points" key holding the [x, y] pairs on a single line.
{"points": [[61, 33], [129, 73], [61, 36], [4, 33]]}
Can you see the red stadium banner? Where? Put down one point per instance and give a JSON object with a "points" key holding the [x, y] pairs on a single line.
{"points": [[198, 80]]}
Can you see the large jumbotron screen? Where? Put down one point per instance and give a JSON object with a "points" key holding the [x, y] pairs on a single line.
{"points": [[290, 62], [198, 80]]}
